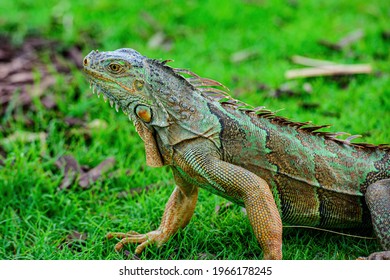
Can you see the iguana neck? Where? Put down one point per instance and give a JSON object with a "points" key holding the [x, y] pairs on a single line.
{"points": [[187, 110]]}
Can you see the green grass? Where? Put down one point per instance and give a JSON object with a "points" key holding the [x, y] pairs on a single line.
{"points": [[36, 217]]}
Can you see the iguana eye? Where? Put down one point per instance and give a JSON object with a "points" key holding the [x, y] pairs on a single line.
{"points": [[115, 68]]}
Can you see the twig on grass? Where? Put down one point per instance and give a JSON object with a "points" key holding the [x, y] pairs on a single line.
{"points": [[344, 42], [312, 62], [329, 70]]}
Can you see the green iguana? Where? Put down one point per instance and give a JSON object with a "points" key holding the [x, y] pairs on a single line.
{"points": [[279, 170]]}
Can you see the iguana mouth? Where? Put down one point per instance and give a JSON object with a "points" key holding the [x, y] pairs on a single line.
{"points": [[106, 95], [94, 78]]}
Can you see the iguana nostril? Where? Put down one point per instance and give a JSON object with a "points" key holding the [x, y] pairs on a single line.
{"points": [[86, 61]]}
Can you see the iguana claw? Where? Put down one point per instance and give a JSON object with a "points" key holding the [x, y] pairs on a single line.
{"points": [[131, 237]]}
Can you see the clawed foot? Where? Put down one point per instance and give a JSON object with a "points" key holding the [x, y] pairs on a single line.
{"points": [[157, 237]]}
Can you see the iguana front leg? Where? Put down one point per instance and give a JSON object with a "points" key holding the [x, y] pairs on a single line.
{"points": [[177, 214], [241, 184], [378, 201]]}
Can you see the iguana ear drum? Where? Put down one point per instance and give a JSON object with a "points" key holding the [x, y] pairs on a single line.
{"points": [[138, 85], [144, 113]]}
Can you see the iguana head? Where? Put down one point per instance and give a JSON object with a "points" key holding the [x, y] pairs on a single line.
{"points": [[156, 97], [120, 76], [145, 89]]}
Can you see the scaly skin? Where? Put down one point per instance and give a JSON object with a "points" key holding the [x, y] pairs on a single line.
{"points": [[276, 168]]}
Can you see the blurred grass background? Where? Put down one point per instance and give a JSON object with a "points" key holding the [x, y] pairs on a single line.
{"points": [[39, 221]]}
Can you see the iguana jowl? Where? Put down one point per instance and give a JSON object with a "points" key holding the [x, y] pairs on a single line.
{"points": [[278, 169]]}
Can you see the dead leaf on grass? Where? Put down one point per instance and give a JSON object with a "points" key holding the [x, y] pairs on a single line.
{"points": [[48, 102], [3, 155], [72, 121], [94, 174], [75, 56], [75, 235], [21, 78], [86, 176], [206, 256], [73, 240], [71, 170]]}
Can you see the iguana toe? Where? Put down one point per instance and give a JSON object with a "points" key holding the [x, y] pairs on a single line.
{"points": [[111, 235], [154, 237]]}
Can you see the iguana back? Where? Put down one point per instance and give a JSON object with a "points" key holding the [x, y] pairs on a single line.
{"points": [[316, 179]]}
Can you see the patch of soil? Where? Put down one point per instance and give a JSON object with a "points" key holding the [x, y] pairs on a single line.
{"points": [[29, 70]]}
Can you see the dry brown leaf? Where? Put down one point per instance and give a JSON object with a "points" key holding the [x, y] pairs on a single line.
{"points": [[94, 174], [71, 121], [73, 240], [21, 78], [76, 56], [71, 169], [75, 235], [3, 155], [48, 102], [206, 256]]}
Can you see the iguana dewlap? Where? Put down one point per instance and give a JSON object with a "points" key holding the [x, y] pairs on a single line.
{"points": [[278, 169]]}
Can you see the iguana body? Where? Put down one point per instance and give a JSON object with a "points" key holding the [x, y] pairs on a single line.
{"points": [[276, 168]]}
